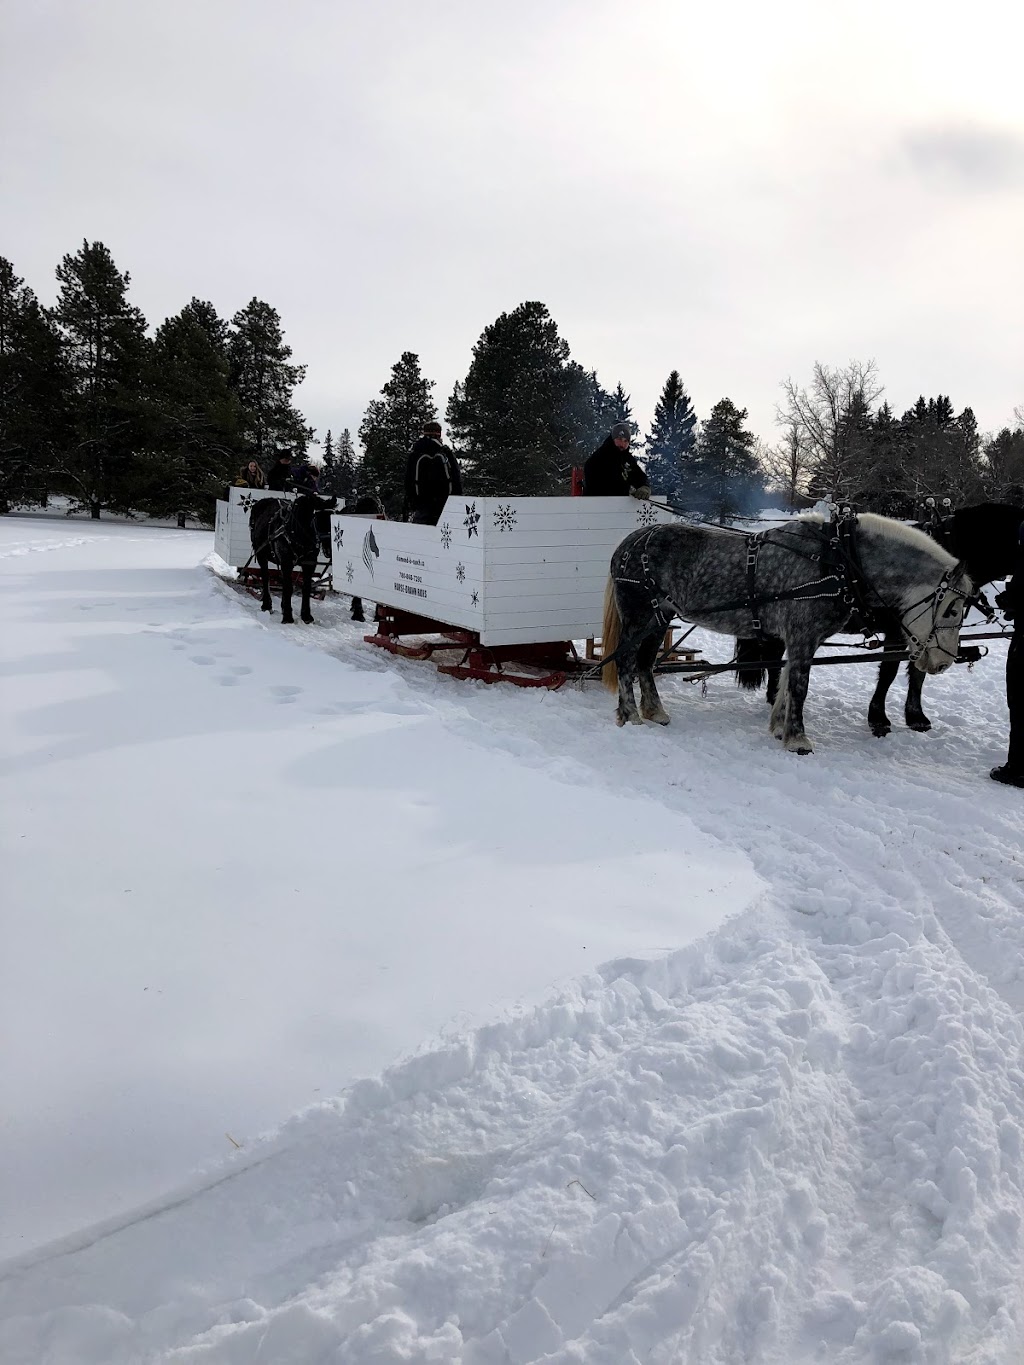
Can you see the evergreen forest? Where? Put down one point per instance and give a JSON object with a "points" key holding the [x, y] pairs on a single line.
{"points": [[97, 409]]}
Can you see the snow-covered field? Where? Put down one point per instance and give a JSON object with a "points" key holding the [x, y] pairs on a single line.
{"points": [[538, 1039]]}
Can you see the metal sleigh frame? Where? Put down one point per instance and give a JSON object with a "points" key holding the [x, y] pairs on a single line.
{"points": [[551, 664]]}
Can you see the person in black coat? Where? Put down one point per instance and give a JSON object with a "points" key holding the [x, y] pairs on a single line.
{"points": [[306, 479], [611, 471], [1011, 601], [431, 475], [279, 480]]}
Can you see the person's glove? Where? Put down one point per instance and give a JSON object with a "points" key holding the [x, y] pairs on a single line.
{"points": [[1004, 602], [642, 492]]}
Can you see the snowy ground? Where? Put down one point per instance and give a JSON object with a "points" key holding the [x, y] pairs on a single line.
{"points": [[708, 1052]]}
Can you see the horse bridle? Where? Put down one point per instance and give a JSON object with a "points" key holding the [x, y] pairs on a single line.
{"points": [[946, 585]]}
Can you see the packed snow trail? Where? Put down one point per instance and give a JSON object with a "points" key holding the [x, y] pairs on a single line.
{"points": [[797, 1139]]}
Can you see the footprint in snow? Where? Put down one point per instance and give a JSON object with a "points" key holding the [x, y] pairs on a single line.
{"points": [[233, 675], [283, 693], [201, 659]]}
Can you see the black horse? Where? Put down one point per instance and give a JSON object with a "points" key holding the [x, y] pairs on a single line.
{"points": [[983, 538], [288, 533], [798, 582]]}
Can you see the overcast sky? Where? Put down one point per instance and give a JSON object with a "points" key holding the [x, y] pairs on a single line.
{"points": [[730, 190]]}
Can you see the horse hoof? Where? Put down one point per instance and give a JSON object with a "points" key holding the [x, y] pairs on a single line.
{"points": [[266, 606], [287, 620], [620, 721], [307, 620], [921, 726], [880, 729], [799, 744]]}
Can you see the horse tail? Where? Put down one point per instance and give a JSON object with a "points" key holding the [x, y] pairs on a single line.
{"points": [[750, 671], [610, 635]]}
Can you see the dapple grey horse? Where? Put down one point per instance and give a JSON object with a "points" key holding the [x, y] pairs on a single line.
{"points": [[803, 586], [984, 537]]}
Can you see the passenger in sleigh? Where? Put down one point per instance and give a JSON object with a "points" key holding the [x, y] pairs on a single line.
{"points": [[611, 471], [432, 474], [279, 480], [251, 476]]}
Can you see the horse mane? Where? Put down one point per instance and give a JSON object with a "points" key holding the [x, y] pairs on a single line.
{"points": [[887, 528]]}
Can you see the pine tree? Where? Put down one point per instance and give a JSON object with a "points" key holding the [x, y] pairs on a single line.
{"points": [[195, 446], [33, 394], [1004, 464], [330, 468], [389, 427], [106, 351], [728, 477], [622, 410], [345, 460], [672, 441], [883, 489], [264, 381], [525, 413], [942, 456]]}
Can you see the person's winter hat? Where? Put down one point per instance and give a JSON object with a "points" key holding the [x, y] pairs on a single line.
{"points": [[431, 428], [621, 429]]}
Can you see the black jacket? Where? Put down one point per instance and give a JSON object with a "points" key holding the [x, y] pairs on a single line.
{"points": [[279, 480], [611, 472], [431, 476], [1011, 599]]}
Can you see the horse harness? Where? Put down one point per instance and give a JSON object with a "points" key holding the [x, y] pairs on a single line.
{"points": [[840, 575], [283, 524]]}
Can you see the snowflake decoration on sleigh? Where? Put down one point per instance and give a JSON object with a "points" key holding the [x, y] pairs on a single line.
{"points": [[446, 535], [472, 521], [476, 599], [349, 571], [246, 502], [460, 572], [504, 518], [339, 532], [646, 515]]}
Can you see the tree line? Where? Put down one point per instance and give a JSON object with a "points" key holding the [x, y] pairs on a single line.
{"points": [[527, 413], [93, 408], [839, 440]]}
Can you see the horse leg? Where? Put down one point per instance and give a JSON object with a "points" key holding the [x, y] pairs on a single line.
{"points": [[798, 673], [263, 560], [629, 645], [774, 650], [777, 720], [912, 712], [887, 671], [305, 611], [650, 703], [626, 709], [285, 564]]}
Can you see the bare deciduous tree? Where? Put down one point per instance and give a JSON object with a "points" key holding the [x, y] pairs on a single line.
{"points": [[830, 420], [787, 464]]}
